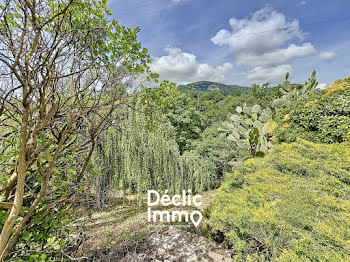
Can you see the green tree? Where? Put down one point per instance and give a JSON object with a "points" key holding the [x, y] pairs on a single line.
{"points": [[216, 152], [66, 67], [187, 122]]}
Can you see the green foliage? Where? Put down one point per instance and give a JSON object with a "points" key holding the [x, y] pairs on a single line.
{"points": [[44, 238], [187, 122], [321, 117], [205, 86], [293, 92], [51, 217], [250, 128], [292, 205], [261, 95], [215, 152], [209, 105], [162, 99], [196, 111], [9, 153], [86, 65], [140, 158]]}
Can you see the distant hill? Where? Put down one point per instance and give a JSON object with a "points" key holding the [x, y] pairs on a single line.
{"points": [[207, 86]]}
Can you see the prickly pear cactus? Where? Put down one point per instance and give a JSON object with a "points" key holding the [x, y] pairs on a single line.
{"points": [[249, 128], [293, 92]]}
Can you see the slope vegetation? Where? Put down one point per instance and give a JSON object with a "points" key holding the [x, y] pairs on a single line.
{"points": [[293, 205]]}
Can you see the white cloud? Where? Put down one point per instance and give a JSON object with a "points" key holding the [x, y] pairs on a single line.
{"points": [[182, 68], [322, 86], [266, 31], [278, 56], [328, 56], [301, 3], [263, 43], [271, 74]]}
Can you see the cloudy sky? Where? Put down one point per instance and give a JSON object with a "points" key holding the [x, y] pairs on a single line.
{"points": [[242, 42]]}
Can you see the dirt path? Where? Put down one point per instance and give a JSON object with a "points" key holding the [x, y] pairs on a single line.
{"points": [[176, 245], [123, 234]]}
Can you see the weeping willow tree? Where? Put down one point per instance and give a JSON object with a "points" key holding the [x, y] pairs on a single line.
{"points": [[135, 158]]}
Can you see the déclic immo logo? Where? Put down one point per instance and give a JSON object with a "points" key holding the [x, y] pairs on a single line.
{"points": [[178, 216]]}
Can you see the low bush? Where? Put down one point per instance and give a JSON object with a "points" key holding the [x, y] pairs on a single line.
{"points": [[292, 205], [321, 117]]}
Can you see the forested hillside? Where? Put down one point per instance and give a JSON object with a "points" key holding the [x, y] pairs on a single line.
{"points": [[213, 86], [87, 129]]}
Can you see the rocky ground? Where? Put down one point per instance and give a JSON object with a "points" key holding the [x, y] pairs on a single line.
{"points": [[122, 233], [176, 245]]}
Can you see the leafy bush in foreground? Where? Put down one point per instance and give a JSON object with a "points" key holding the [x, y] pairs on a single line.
{"points": [[292, 205], [322, 117]]}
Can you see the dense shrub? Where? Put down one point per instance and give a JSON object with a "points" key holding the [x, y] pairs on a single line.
{"points": [[322, 117], [44, 239], [216, 152], [292, 205]]}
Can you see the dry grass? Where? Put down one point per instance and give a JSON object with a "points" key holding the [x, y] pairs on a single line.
{"points": [[122, 228]]}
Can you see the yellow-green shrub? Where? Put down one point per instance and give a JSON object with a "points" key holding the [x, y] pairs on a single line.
{"points": [[292, 205], [338, 85], [321, 117]]}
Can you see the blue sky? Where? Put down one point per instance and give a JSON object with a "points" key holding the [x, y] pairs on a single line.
{"points": [[242, 42]]}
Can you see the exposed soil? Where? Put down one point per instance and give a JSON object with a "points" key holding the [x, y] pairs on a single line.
{"points": [[121, 233], [176, 245]]}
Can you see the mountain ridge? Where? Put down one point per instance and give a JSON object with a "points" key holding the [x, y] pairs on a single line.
{"points": [[208, 86]]}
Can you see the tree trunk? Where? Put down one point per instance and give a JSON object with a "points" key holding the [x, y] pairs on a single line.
{"points": [[18, 201]]}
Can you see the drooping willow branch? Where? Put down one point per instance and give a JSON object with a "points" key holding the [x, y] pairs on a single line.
{"points": [[140, 159]]}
